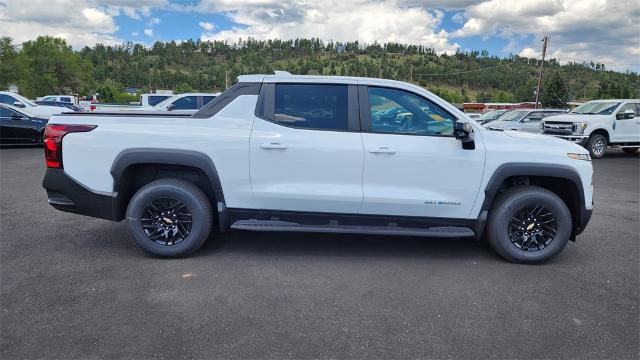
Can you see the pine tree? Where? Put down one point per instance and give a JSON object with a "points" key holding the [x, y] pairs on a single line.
{"points": [[555, 93]]}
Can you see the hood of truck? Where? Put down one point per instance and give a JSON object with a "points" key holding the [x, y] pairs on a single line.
{"points": [[525, 142]]}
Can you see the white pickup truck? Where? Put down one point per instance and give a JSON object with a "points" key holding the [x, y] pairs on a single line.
{"points": [[319, 154], [598, 124]]}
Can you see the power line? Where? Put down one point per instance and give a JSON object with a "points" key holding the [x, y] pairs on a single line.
{"points": [[475, 70]]}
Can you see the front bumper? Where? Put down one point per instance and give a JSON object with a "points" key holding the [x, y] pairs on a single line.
{"points": [[578, 139], [66, 194]]}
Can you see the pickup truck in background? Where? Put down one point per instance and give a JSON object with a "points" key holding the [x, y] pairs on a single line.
{"points": [[319, 154], [598, 124]]}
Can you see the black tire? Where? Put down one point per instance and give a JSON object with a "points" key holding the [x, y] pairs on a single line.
{"points": [[518, 200], [170, 191], [597, 146], [630, 150]]}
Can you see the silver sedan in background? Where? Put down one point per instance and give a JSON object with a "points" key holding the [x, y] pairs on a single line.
{"points": [[523, 119]]}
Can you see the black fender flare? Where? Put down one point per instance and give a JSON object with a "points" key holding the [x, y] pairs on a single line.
{"points": [[190, 158], [507, 170]]}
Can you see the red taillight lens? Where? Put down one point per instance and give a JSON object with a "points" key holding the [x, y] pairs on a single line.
{"points": [[92, 107], [53, 135]]}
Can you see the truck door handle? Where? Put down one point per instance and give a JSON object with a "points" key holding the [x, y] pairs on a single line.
{"points": [[273, 145], [382, 150]]}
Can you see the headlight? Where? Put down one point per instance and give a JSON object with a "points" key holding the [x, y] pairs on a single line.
{"points": [[575, 156], [578, 128]]}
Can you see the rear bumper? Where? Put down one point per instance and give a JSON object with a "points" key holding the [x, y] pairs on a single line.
{"points": [[68, 195]]}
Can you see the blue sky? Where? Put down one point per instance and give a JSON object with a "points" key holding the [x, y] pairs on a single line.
{"points": [[577, 28], [177, 25]]}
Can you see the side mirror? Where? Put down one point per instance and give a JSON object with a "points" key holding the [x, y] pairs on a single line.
{"points": [[18, 104], [171, 107], [627, 114], [463, 131]]}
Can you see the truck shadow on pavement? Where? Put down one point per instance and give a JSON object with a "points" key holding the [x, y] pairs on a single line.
{"points": [[336, 245]]}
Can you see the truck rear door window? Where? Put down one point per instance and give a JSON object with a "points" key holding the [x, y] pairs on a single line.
{"points": [[321, 107]]}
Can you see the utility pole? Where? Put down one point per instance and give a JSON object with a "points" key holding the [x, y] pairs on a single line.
{"points": [[544, 52], [226, 79]]}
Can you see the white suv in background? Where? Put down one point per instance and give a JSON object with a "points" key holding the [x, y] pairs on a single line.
{"points": [[19, 101], [598, 124]]}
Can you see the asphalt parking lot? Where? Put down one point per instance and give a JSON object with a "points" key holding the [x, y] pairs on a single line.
{"points": [[77, 287]]}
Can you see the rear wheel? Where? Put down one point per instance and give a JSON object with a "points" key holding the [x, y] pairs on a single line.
{"points": [[170, 217], [597, 145], [630, 150], [529, 224]]}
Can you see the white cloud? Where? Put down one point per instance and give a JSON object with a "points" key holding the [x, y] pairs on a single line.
{"points": [[339, 20], [148, 32], [153, 21], [135, 33], [586, 30], [87, 24], [206, 26], [79, 22]]}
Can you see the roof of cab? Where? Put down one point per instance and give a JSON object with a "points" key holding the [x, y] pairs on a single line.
{"points": [[284, 76]]}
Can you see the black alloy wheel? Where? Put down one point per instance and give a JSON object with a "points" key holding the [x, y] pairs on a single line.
{"points": [[532, 228], [166, 221]]}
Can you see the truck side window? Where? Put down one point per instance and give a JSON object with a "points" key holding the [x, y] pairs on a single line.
{"points": [[322, 107], [206, 99], [628, 106], [186, 103], [6, 99], [398, 111], [534, 116], [155, 100]]}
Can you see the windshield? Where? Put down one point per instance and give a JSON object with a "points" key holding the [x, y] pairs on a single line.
{"points": [[513, 115], [596, 108], [490, 115], [24, 99]]}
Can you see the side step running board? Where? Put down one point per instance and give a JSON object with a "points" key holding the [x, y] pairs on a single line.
{"points": [[284, 226]]}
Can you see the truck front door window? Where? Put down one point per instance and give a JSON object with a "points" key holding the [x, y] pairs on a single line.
{"points": [[398, 111]]}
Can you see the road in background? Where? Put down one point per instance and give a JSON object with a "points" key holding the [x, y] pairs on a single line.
{"points": [[77, 287]]}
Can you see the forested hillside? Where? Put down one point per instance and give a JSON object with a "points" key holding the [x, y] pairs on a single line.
{"points": [[48, 65]]}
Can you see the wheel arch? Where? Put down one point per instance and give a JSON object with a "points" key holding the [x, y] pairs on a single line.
{"points": [[132, 169], [563, 180], [602, 131]]}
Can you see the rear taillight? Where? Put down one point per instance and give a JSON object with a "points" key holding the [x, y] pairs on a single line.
{"points": [[53, 135], [92, 107]]}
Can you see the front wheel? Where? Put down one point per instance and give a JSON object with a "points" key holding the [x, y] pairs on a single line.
{"points": [[597, 146], [529, 224], [170, 217]]}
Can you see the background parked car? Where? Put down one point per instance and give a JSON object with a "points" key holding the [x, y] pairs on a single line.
{"points": [[67, 105], [523, 119], [19, 127], [19, 101], [187, 103], [151, 100], [490, 116], [61, 98]]}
